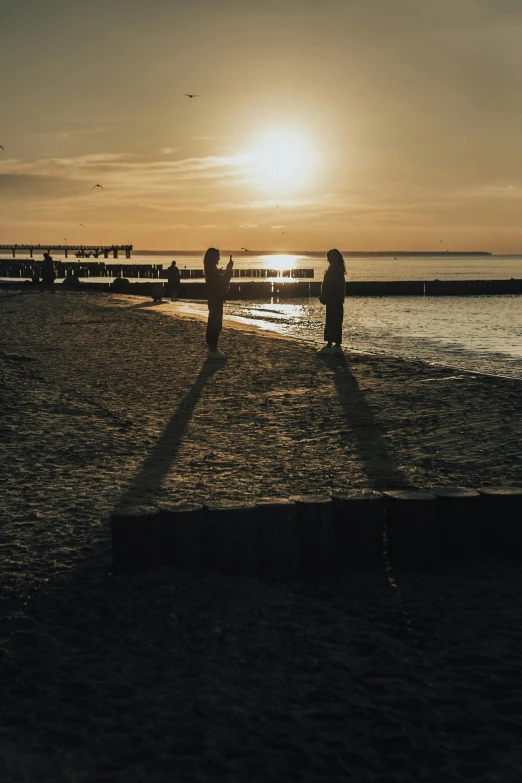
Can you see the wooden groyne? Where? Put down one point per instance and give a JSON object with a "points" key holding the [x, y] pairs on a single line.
{"points": [[246, 283], [80, 251], [285, 289], [433, 287], [24, 268], [304, 536]]}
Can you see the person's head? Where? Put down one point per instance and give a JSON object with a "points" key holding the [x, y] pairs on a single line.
{"points": [[211, 259], [336, 260], [46, 255], [173, 263]]}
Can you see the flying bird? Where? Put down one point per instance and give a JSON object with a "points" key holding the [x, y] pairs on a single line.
{"points": [[81, 224], [246, 249], [191, 95], [96, 186], [1, 148]]}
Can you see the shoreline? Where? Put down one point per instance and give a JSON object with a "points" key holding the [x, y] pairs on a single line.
{"points": [[238, 322], [186, 309]]}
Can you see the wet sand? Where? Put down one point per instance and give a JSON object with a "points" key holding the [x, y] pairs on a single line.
{"points": [[171, 676]]}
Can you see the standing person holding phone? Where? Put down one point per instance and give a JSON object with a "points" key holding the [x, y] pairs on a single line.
{"points": [[217, 281]]}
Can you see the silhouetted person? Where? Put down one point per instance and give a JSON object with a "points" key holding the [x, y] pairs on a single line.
{"points": [[217, 281], [332, 295], [48, 273], [174, 281]]}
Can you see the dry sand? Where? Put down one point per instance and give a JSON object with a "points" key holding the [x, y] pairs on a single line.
{"points": [[169, 676]]}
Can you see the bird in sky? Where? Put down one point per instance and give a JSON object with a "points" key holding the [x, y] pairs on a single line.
{"points": [[96, 186], [191, 95], [1, 148], [81, 224], [245, 249]]}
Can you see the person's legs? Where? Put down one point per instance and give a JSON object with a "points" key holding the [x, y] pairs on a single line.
{"points": [[214, 326], [333, 329]]}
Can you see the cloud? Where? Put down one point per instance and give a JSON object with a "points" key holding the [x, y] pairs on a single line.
{"points": [[126, 178], [248, 225], [40, 188], [273, 227]]}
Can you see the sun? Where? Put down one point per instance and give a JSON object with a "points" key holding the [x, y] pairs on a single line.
{"points": [[282, 159]]}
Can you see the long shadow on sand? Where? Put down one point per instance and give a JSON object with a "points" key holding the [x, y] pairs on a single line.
{"points": [[149, 477], [379, 463], [149, 303]]}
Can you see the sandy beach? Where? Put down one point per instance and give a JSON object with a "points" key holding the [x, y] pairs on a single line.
{"points": [[175, 676]]}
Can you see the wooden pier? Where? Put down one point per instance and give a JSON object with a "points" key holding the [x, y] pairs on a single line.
{"points": [[81, 251]]}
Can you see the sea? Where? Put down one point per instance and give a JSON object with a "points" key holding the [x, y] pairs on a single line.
{"points": [[478, 334]]}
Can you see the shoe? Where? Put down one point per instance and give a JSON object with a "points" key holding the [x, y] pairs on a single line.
{"points": [[326, 349], [217, 355]]}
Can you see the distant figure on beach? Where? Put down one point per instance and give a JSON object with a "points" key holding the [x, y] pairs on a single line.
{"points": [[174, 281], [332, 295], [217, 281], [48, 273]]}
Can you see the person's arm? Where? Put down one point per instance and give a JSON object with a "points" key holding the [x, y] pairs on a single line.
{"points": [[228, 272], [326, 289]]}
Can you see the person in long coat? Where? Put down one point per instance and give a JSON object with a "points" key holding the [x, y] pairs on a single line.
{"points": [[174, 281], [48, 272], [332, 295]]}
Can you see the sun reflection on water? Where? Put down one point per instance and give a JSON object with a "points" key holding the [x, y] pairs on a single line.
{"points": [[280, 261], [278, 311]]}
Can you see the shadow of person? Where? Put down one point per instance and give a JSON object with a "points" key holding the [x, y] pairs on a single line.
{"points": [[149, 477], [378, 460], [149, 303]]}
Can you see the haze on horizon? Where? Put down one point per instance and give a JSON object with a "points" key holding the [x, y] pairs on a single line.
{"points": [[356, 124]]}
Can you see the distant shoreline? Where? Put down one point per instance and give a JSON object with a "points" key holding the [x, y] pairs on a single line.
{"points": [[350, 253]]}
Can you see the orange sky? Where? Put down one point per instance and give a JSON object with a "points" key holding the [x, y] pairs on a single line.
{"points": [[344, 123]]}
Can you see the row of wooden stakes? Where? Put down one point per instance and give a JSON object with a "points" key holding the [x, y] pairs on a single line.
{"points": [[307, 535]]}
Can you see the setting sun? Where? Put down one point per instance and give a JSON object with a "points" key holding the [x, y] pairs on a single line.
{"points": [[282, 159]]}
